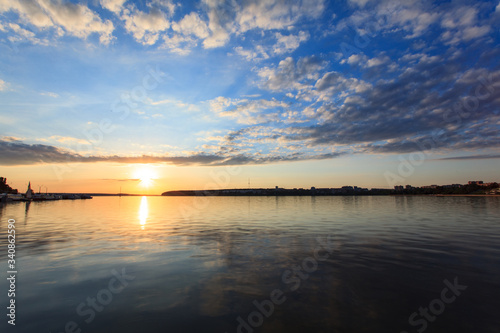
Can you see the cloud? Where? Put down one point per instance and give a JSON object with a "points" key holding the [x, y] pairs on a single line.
{"points": [[29, 11], [69, 140], [114, 6], [461, 25], [145, 27], [290, 74], [333, 83], [192, 24], [213, 27], [49, 94], [186, 34], [286, 44], [360, 3], [65, 17], [363, 61], [397, 115], [10, 138], [232, 17], [414, 18], [78, 20], [277, 14], [3, 85], [220, 22], [258, 54], [471, 157], [303, 77], [23, 35], [14, 153], [249, 112], [178, 43]]}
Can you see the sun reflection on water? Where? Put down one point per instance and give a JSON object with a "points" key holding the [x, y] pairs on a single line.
{"points": [[143, 211]]}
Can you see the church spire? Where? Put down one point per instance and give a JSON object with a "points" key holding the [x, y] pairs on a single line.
{"points": [[29, 191]]}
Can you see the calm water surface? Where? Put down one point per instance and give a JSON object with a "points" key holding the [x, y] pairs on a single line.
{"points": [[331, 264]]}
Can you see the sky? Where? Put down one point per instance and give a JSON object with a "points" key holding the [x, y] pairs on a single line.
{"points": [[156, 95]]}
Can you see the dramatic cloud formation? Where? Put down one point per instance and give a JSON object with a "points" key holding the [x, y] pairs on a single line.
{"points": [[248, 82], [14, 152]]}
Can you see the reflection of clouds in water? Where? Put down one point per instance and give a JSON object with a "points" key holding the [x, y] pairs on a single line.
{"points": [[252, 274]]}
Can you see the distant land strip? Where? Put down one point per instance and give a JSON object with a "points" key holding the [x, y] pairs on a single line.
{"points": [[469, 189]]}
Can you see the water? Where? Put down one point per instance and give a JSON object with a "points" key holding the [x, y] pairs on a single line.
{"points": [[330, 264]]}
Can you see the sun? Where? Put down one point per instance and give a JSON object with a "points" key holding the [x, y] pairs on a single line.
{"points": [[146, 175]]}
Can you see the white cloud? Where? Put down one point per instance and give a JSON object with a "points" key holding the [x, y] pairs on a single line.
{"points": [[78, 20], [460, 17], [228, 17], [145, 27], [410, 16], [3, 85], [67, 140], [74, 19], [498, 8], [192, 24], [218, 23], [220, 103], [49, 94], [461, 25], [252, 55], [365, 62], [278, 14], [179, 44], [475, 32], [174, 102], [114, 6], [355, 59], [334, 83], [29, 11], [290, 74], [289, 43], [22, 35], [249, 112], [377, 61], [360, 3]]}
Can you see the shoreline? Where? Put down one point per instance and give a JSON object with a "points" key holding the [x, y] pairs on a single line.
{"points": [[465, 195]]}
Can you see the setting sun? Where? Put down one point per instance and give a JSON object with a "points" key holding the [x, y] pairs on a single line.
{"points": [[146, 175]]}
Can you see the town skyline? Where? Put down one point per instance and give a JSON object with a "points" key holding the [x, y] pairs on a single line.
{"points": [[353, 187]]}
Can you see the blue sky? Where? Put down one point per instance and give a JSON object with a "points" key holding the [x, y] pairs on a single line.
{"points": [[359, 84]]}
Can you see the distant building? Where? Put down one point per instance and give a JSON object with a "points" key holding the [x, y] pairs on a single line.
{"points": [[398, 187], [475, 182], [452, 186], [486, 184]]}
